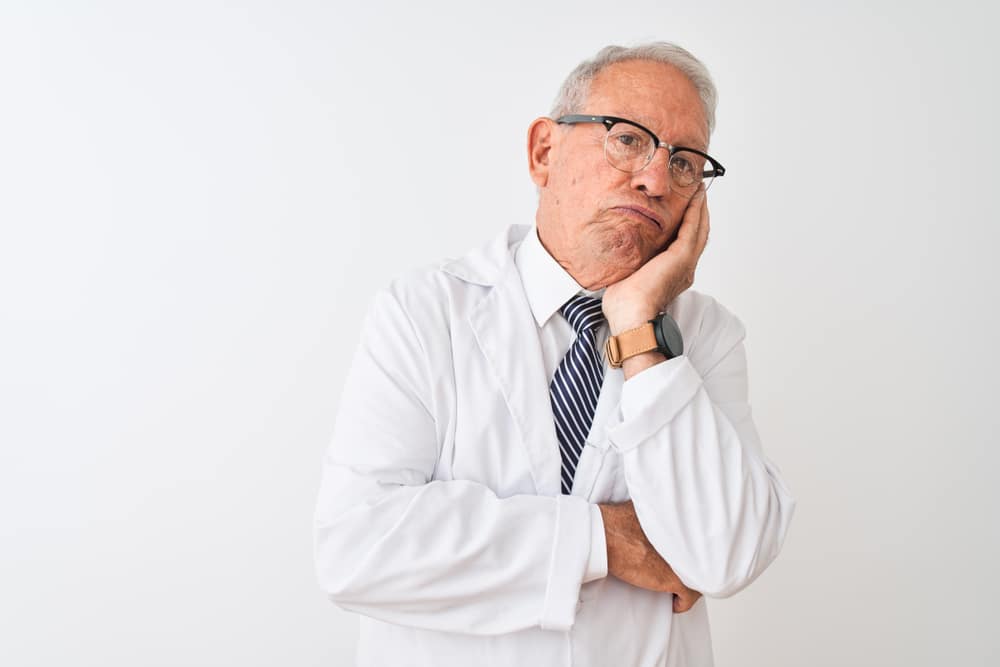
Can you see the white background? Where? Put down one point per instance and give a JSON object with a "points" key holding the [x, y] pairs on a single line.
{"points": [[198, 200]]}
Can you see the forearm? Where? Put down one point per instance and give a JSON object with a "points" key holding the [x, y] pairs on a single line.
{"points": [[708, 501], [451, 555], [640, 362], [633, 559]]}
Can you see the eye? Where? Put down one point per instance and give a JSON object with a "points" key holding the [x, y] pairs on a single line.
{"points": [[628, 142], [692, 163], [627, 139], [681, 165]]}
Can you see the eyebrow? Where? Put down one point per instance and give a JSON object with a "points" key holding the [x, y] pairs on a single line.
{"points": [[647, 122]]}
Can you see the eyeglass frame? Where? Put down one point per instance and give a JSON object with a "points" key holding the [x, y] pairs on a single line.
{"points": [[610, 121]]}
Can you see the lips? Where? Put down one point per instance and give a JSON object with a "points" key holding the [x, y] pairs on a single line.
{"points": [[639, 211]]}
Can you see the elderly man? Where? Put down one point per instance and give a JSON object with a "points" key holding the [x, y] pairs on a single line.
{"points": [[544, 453]]}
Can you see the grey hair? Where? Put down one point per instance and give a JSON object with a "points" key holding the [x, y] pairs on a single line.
{"points": [[575, 89]]}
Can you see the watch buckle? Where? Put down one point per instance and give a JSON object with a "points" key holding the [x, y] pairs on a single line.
{"points": [[613, 352]]}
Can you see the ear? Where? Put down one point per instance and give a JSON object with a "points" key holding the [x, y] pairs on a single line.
{"points": [[543, 137]]}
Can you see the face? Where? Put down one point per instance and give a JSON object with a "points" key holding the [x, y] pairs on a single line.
{"points": [[601, 223]]}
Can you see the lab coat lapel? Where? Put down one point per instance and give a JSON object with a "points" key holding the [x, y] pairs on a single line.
{"points": [[507, 335]]}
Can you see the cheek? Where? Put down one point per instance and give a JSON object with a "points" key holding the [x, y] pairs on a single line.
{"points": [[577, 181], [676, 212], [574, 193], [579, 173]]}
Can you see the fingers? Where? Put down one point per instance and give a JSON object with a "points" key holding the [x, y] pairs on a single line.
{"points": [[703, 227], [684, 603], [692, 236], [691, 223]]}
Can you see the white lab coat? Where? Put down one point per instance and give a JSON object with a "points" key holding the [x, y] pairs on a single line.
{"points": [[439, 517]]}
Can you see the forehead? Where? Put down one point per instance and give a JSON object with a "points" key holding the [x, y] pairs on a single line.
{"points": [[654, 94]]}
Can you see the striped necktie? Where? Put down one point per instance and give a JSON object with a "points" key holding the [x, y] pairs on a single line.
{"points": [[577, 383]]}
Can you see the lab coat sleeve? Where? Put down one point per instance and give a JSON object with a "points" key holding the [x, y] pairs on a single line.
{"points": [[392, 543], [709, 501]]}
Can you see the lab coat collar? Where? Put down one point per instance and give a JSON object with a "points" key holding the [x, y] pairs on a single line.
{"points": [[484, 265]]}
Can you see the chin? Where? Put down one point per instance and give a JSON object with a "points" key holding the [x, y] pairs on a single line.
{"points": [[618, 249], [629, 248]]}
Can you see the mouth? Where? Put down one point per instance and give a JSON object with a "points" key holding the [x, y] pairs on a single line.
{"points": [[640, 213]]}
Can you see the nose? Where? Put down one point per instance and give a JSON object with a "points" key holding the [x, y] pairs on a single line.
{"points": [[654, 178]]}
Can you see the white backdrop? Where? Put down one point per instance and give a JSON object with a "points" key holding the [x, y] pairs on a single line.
{"points": [[198, 200]]}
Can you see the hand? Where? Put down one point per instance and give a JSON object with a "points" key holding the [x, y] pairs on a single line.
{"points": [[640, 297], [633, 559]]}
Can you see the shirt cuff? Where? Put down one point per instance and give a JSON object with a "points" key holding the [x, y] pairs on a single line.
{"points": [[567, 564], [651, 399], [597, 563]]}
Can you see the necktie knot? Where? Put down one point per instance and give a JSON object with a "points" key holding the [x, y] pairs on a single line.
{"points": [[583, 313]]}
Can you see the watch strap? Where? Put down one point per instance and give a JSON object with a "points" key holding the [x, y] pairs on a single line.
{"points": [[630, 343]]}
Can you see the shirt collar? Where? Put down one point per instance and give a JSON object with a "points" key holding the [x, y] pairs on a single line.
{"points": [[546, 283]]}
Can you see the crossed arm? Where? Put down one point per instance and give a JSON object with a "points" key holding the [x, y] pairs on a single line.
{"points": [[633, 559]]}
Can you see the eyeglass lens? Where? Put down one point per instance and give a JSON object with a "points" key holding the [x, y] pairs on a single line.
{"points": [[630, 149]]}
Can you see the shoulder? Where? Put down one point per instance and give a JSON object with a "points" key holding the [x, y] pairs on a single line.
{"points": [[429, 292], [709, 329], [452, 286]]}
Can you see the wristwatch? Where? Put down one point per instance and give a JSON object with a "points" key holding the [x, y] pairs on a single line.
{"points": [[661, 334]]}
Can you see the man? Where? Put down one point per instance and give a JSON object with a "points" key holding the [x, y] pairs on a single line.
{"points": [[505, 487]]}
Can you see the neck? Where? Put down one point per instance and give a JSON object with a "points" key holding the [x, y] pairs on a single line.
{"points": [[571, 259]]}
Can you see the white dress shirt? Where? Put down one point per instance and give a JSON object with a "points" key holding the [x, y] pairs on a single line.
{"points": [[548, 286]]}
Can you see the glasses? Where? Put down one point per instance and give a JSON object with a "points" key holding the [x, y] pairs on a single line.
{"points": [[629, 147]]}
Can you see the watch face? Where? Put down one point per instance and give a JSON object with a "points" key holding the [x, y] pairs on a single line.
{"points": [[668, 335]]}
